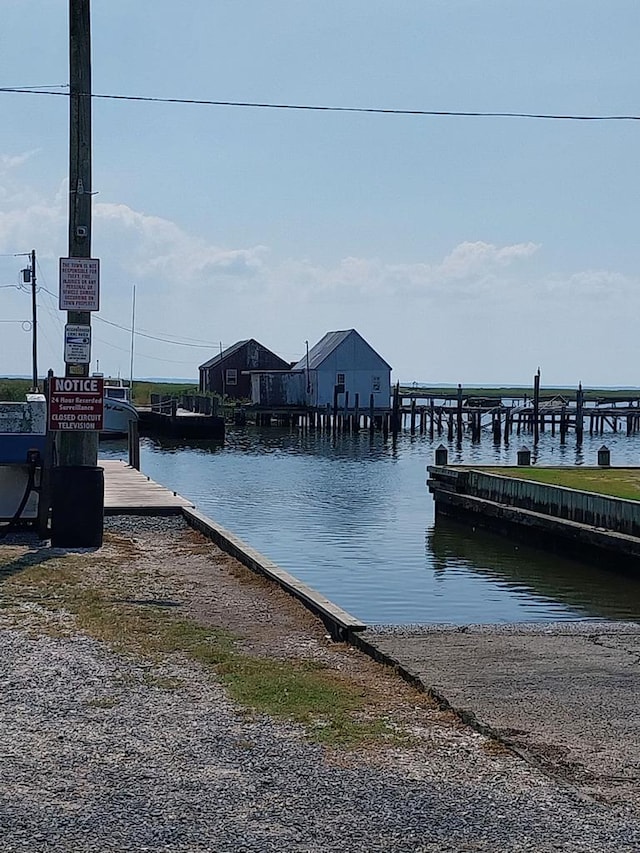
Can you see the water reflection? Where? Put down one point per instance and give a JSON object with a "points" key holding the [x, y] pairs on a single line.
{"points": [[585, 590], [350, 515]]}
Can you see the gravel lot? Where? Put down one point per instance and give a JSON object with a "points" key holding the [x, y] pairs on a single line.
{"points": [[109, 752]]}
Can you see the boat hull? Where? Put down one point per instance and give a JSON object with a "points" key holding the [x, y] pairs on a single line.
{"points": [[117, 416]]}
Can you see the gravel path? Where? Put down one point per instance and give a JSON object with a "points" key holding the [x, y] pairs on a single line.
{"points": [[102, 752]]}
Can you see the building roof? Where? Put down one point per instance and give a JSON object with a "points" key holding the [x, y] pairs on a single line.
{"points": [[221, 357], [224, 355], [326, 345]]}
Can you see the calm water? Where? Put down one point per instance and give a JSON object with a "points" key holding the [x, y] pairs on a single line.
{"points": [[353, 518]]}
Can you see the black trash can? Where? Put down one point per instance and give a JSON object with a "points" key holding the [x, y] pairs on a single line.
{"points": [[77, 506]]}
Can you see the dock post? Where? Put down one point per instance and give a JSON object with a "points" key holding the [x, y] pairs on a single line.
{"points": [[524, 457], [604, 456], [536, 407], [395, 417], [579, 414], [459, 413], [497, 428], [413, 415], [442, 455], [431, 418], [134, 444]]}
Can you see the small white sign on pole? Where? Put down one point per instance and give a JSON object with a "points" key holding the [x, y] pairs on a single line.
{"points": [[77, 344], [79, 284]]}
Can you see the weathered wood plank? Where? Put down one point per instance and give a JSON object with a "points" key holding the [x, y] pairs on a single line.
{"points": [[128, 491]]}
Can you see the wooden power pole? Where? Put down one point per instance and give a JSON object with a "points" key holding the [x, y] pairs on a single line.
{"points": [[79, 447], [77, 483]]}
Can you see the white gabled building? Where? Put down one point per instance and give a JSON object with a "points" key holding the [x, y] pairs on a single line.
{"points": [[341, 362], [346, 361]]}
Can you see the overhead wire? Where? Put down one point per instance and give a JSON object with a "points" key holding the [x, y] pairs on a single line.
{"points": [[127, 329], [326, 108]]}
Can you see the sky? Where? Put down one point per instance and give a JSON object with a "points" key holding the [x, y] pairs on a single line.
{"points": [[464, 249]]}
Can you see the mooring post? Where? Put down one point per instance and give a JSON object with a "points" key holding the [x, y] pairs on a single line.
{"points": [[563, 425], [395, 418], [524, 456], [497, 428], [459, 413], [442, 455], [134, 444], [579, 414], [536, 407]]}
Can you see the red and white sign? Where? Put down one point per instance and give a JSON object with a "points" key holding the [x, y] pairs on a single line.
{"points": [[79, 284], [76, 403]]}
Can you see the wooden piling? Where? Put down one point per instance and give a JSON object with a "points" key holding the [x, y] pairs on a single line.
{"points": [[459, 414], [536, 407], [579, 414]]}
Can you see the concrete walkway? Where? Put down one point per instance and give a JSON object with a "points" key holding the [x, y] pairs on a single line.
{"points": [[568, 695]]}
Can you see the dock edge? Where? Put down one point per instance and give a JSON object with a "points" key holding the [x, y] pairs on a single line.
{"points": [[340, 623]]}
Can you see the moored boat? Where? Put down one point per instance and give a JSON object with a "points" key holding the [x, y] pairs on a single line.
{"points": [[119, 411]]}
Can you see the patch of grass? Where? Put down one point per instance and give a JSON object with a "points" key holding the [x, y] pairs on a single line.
{"points": [[14, 390], [104, 702], [616, 482], [345, 730], [333, 708]]}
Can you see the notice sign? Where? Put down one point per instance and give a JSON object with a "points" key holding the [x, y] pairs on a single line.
{"points": [[77, 344], [76, 404], [79, 284]]}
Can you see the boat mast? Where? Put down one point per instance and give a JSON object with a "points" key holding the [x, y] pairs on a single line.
{"points": [[133, 326]]}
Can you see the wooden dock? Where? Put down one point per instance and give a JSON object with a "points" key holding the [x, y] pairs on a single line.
{"points": [[186, 417], [128, 492]]}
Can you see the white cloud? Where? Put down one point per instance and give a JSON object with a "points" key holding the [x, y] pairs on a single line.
{"points": [[470, 270], [8, 162], [158, 248], [191, 287]]}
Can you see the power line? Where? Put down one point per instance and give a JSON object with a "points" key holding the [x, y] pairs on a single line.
{"points": [[324, 108], [143, 334], [154, 337]]}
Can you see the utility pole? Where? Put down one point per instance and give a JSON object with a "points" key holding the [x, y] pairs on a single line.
{"points": [[79, 447], [77, 484], [34, 321], [29, 277]]}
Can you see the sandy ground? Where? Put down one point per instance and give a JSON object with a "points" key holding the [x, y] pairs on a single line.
{"points": [[86, 731]]}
